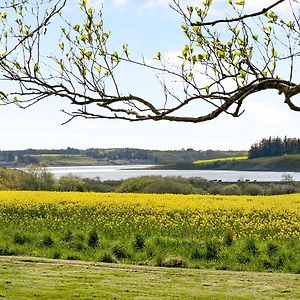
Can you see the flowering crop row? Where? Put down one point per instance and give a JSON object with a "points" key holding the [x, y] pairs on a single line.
{"points": [[184, 216]]}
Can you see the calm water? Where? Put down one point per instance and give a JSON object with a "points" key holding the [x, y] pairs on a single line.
{"points": [[125, 171]]}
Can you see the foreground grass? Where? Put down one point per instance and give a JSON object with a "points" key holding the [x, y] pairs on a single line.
{"points": [[28, 278]]}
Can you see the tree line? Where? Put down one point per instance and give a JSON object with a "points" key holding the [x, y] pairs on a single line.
{"points": [[274, 146], [37, 178], [131, 155], [29, 156]]}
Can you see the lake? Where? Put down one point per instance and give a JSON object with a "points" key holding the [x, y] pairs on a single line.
{"points": [[120, 172]]}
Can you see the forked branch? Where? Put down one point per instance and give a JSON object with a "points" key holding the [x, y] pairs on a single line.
{"points": [[223, 62]]}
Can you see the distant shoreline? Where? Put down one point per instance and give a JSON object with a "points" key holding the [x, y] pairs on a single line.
{"points": [[123, 172], [156, 160]]}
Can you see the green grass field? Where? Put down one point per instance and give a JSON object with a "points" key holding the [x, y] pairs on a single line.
{"points": [[284, 163], [35, 278]]}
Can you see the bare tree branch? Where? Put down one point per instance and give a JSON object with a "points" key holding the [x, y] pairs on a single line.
{"points": [[240, 18], [223, 62]]}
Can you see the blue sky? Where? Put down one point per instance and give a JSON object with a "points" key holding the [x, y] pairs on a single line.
{"points": [[147, 26]]}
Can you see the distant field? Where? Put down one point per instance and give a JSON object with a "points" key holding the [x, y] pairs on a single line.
{"points": [[292, 156], [55, 155], [257, 233], [285, 163], [30, 278], [204, 161], [66, 160]]}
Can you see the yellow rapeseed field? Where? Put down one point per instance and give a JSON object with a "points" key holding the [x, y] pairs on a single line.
{"points": [[267, 217], [281, 203]]}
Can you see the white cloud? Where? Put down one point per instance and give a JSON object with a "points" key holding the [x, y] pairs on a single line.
{"points": [[99, 3], [269, 111], [95, 3], [120, 2], [154, 4], [259, 5]]}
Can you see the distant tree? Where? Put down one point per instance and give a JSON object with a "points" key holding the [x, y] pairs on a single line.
{"points": [[70, 183], [37, 178], [288, 178], [223, 62], [27, 159], [231, 189], [94, 153], [70, 150], [8, 156], [274, 147], [277, 147]]}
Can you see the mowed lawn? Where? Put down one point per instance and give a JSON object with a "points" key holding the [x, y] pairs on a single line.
{"points": [[36, 278]]}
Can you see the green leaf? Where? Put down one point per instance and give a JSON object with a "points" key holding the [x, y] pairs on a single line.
{"points": [[17, 65], [184, 28], [76, 27], [274, 53], [125, 50], [98, 68], [267, 29], [241, 3], [271, 15], [221, 53], [242, 73], [207, 3], [200, 12], [36, 67], [88, 54], [196, 29], [83, 37], [206, 55], [158, 56], [190, 9], [185, 51], [61, 64], [237, 53]]}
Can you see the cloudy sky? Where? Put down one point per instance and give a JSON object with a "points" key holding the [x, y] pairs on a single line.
{"points": [[147, 26]]}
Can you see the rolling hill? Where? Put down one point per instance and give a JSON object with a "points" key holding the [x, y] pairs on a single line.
{"points": [[285, 163]]}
